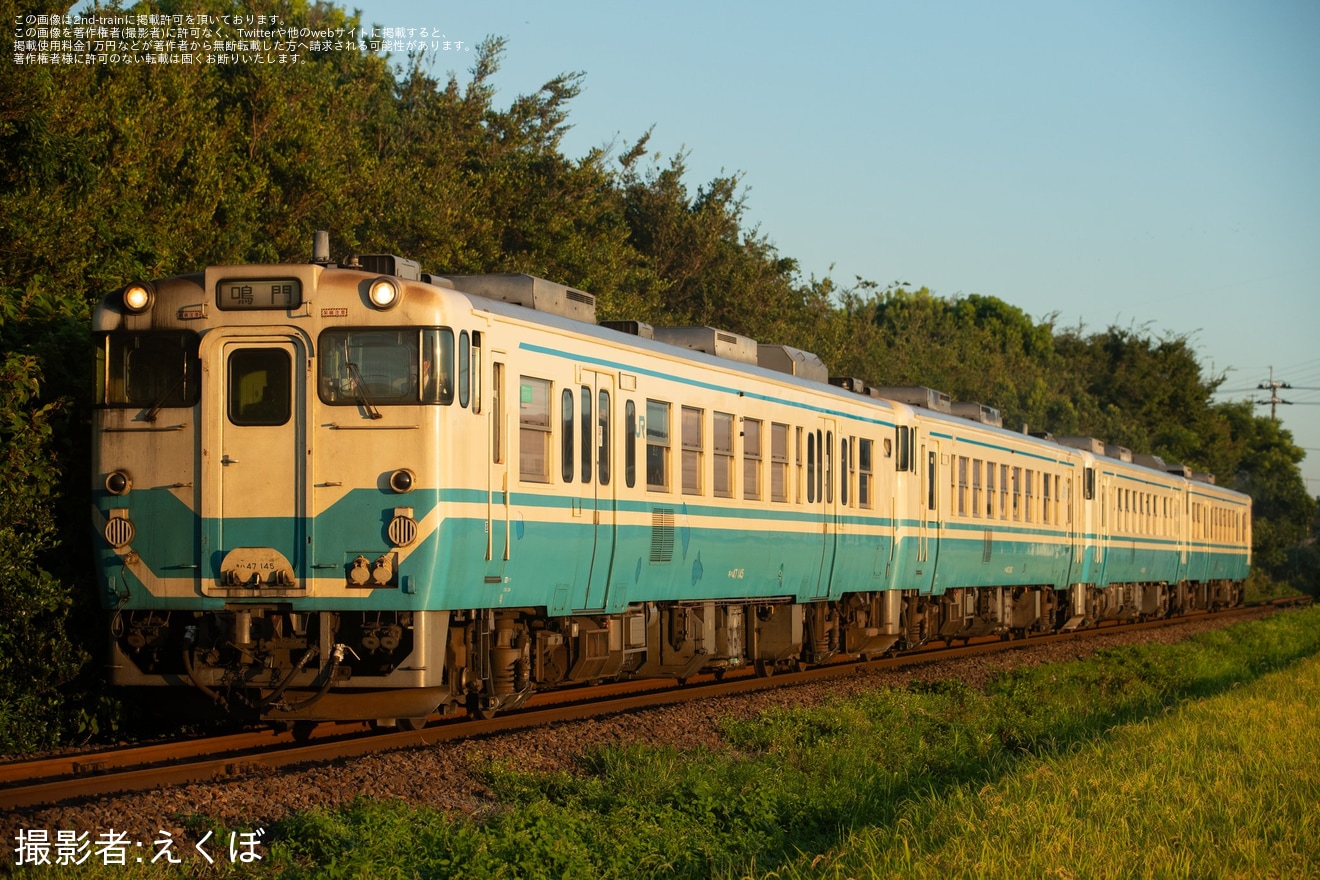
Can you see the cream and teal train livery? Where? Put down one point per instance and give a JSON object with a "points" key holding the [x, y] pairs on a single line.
{"points": [[357, 491]]}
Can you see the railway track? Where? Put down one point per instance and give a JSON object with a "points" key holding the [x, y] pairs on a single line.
{"points": [[47, 781]]}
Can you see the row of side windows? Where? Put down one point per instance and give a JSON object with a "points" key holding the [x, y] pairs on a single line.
{"points": [[990, 490], [801, 464], [1139, 512], [1222, 525]]}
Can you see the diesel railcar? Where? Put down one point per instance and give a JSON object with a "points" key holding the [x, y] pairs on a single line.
{"points": [[358, 491]]}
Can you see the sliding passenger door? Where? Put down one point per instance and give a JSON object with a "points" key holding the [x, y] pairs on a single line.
{"points": [[497, 479], [823, 497], [928, 527], [1108, 522], [597, 453]]}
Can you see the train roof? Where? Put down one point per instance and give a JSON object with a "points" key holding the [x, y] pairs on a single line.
{"points": [[622, 339]]}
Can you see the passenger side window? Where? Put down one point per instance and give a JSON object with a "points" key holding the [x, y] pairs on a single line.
{"points": [[603, 453], [534, 429], [864, 453], [811, 467], [692, 450], [566, 435], [464, 369], [976, 487], [751, 459], [962, 485], [630, 444], [657, 445], [845, 470], [723, 446], [778, 462], [587, 438]]}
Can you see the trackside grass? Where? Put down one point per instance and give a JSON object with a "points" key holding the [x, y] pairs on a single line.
{"points": [[1228, 786], [1185, 760]]}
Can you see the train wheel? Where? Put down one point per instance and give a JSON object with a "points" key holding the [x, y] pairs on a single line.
{"points": [[478, 710], [302, 731], [764, 668], [411, 723]]}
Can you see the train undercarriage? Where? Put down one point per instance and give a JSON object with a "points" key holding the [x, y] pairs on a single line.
{"points": [[270, 663]]}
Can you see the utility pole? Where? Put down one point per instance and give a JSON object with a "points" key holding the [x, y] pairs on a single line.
{"points": [[1273, 388]]}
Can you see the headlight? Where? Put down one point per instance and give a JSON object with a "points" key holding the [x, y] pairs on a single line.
{"points": [[383, 293], [118, 483], [138, 297], [402, 481]]}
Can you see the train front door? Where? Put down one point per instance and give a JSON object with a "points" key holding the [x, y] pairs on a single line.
{"points": [[254, 459]]}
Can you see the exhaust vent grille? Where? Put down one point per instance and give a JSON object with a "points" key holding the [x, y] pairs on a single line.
{"points": [[662, 534]]}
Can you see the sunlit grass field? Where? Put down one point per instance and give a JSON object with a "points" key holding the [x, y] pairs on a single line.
{"points": [[1187, 760], [1226, 786]]}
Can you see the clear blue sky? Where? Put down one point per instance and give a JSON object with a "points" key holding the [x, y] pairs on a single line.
{"points": [[1150, 163]]}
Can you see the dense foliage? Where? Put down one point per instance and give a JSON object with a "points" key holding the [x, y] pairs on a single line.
{"points": [[111, 173]]}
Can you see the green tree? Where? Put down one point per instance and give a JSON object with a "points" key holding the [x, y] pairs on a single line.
{"points": [[37, 655], [709, 269], [1266, 468]]}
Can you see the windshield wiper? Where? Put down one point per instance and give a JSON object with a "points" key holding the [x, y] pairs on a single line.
{"points": [[359, 387], [159, 402]]}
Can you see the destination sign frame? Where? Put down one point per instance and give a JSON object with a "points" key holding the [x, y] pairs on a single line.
{"points": [[247, 294]]}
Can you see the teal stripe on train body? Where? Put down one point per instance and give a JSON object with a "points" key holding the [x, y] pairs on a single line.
{"points": [[550, 560]]}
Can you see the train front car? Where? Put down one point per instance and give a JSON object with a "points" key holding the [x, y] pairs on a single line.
{"points": [[266, 447]]}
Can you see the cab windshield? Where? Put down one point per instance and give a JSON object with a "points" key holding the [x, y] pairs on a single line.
{"points": [[151, 370], [383, 367]]}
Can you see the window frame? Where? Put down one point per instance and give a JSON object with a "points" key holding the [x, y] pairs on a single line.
{"points": [[751, 437], [337, 378], [658, 442], [692, 445], [865, 472], [566, 432], [531, 433], [722, 452], [283, 390], [112, 352]]}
